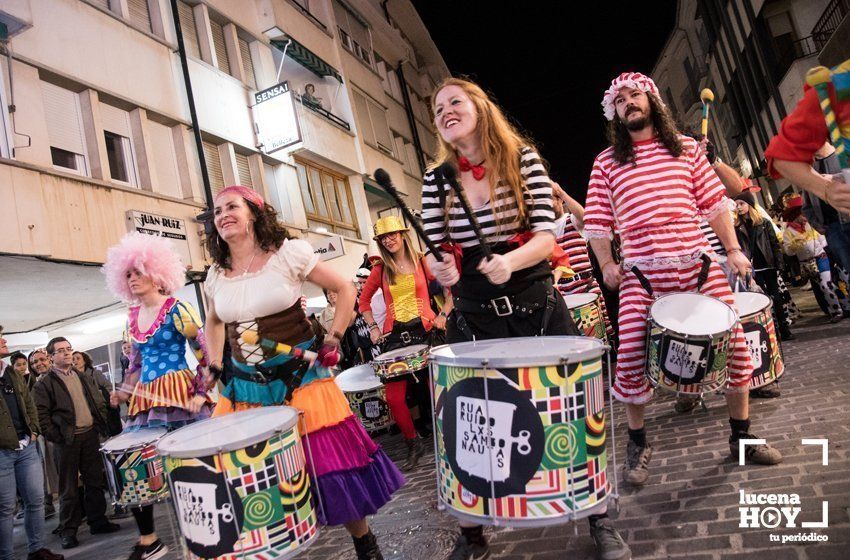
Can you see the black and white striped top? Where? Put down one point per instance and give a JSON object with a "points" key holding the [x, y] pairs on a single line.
{"points": [[538, 198], [713, 240]]}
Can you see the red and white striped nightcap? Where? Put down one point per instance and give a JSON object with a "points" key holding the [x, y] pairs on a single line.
{"points": [[634, 80]]}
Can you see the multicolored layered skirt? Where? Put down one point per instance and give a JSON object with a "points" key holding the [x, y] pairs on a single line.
{"points": [[163, 402]]}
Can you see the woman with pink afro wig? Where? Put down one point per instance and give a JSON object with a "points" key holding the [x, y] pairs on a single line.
{"points": [[161, 390], [152, 256]]}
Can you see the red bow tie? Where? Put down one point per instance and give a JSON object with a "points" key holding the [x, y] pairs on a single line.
{"points": [[478, 171]]}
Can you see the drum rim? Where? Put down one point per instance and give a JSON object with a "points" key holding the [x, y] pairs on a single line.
{"points": [[208, 450], [593, 300], [596, 351], [708, 336], [767, 305], [137, 446], [394, 359]]}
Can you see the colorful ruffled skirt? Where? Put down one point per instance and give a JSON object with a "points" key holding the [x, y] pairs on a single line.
{"points": [[350, 475], [162, 403]]}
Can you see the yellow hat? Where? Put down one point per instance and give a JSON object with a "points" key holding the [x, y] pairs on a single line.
{"points": [[388, 224]]}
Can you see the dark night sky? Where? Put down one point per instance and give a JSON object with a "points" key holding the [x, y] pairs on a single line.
{"points": [[548, 63]]}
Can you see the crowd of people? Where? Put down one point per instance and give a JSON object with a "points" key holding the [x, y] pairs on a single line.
{"points": [[663, 215]]}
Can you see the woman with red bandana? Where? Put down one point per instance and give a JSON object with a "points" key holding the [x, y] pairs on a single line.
{"points": [[510, 294], [256, 284]]}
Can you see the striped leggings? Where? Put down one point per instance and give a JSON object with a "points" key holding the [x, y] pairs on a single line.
{"points": [[631, 384]]}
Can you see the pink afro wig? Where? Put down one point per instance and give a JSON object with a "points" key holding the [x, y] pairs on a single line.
{"points": [[152, 256]]}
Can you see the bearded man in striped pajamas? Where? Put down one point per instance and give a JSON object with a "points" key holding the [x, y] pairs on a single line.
{"points": [[654, 185]]}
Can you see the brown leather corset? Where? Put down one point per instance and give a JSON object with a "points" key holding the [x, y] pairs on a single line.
{"points": [[289, 326]]}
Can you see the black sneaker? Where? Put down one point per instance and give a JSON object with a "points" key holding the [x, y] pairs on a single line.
{"points": [[152, 551], [465, 550], [609, 544]]}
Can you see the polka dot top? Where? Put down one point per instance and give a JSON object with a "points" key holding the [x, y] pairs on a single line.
{"points": [[162, 348]]}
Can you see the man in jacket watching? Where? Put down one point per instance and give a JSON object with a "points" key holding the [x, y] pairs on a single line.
{"points": [[72, 413], [20, 464]]}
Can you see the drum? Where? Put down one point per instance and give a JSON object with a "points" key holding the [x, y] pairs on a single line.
{"points": [[520, 430], [366, 397], [401, 361], [756, 315], [586, 312], [239, 485], [688, 338], [134, 468]]}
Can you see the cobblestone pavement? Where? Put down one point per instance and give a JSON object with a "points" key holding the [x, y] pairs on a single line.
{"points": [[688, 509]]}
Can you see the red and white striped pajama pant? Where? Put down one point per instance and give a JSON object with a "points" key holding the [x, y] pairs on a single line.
{"points": [[631, 384]]}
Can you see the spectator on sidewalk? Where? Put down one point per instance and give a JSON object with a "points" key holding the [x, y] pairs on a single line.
{"points": [[72, 415], [83, 365], [39, 364], [20, 469]]}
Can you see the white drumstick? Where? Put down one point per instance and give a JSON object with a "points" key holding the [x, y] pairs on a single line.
{"points": [[150, 396]]}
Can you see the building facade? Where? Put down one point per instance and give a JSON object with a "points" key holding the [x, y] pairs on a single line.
{"points": [[300, 100], [754, 56]]}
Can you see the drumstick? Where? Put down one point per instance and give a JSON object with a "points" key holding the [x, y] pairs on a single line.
{"points": [[383, 179], [707, 97], [139, 392], [819, 78], [252, 337], [449, 173]]}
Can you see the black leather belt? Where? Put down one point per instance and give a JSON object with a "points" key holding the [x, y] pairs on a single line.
{"points": [[521, 304], [586, 275]]}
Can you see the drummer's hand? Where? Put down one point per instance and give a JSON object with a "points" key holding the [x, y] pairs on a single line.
{"points": [[837, 194], [739, 264], [440, 322], [194, 406], [445, 271], [328, 355], [375, 335], [115, 399], [612, 275], [497, 269]]}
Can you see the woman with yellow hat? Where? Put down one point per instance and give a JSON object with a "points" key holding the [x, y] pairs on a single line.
{"points": [[403, 277]]}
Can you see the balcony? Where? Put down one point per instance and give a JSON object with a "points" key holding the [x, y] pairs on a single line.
{"points": [[829, 21], [325, 135], [791, 52]]}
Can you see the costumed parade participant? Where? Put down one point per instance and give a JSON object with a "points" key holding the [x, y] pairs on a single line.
{"points": [[255, 285], [403, 276], [511, 293], [823, 114], [568, 226], [800, 239], [145, 271], [653, 185]]}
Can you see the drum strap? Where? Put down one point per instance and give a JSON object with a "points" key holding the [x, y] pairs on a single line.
{"points": [[551, 302], [701, 279]]}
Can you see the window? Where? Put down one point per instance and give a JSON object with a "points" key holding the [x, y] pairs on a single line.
{"points": [[186, 15], [140, 14], [327, 199], [247, 63], [222, 61], [64, 128], [213, 167], [406, 153], [353, 32], [119, 148], [243, 170], [373, 123]]}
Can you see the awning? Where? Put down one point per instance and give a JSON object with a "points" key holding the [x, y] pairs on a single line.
{"points": [[305, 57]]}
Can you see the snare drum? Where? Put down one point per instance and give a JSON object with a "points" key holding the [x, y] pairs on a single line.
{"points": [[239, 485], [366, 397], [688, 336], [134, 468], [586, 312], [401, 361], [760, 335], [520, 429]]}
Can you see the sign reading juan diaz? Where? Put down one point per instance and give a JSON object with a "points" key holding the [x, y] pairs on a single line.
{"points": [[163, 226]]}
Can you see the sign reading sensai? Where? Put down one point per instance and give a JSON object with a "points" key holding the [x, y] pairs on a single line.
{"points": [[274, 118], [163, 226], [329, 247]]}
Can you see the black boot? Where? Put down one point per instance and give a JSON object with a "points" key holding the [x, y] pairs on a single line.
{"points": [[414, 452], [367, 547]]}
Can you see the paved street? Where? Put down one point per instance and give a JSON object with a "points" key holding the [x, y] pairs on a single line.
{"points": [[689, 509]]}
